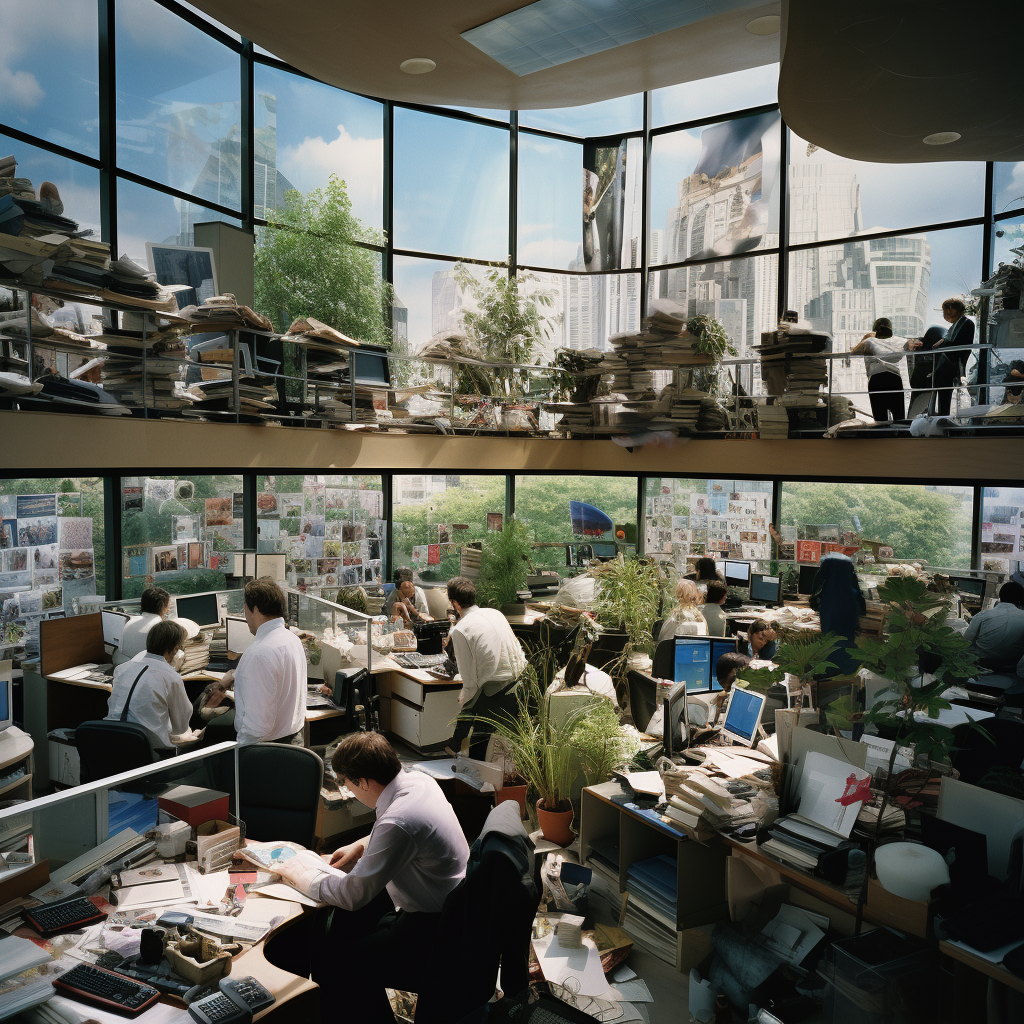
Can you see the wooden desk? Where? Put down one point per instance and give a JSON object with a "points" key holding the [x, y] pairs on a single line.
{"points": [[70, 703], [64, 643], [995, 971]]}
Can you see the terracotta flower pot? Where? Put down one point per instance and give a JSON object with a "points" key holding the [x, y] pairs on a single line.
{"points": [[517, 793], [554, 825]]}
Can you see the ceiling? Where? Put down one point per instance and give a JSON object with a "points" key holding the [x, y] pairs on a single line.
{"points": [[870, 80], [358, 46]]}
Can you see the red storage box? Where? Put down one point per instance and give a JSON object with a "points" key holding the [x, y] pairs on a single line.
{"points": [[194, 804]]}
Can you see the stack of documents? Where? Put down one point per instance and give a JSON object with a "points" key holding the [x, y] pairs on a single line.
{"points": [[654, 883]]}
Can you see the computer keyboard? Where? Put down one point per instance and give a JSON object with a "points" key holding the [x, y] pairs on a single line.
{"points": [[63, 917], [237, 1001], [107, 989], [417, 660]]}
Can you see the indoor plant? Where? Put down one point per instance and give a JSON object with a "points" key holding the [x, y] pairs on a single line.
{"points": [[504, 565], [626, 603]]}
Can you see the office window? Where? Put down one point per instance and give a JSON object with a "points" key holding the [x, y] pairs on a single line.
{"points": [[492, 115], [714, 190], [686, 519], [451, 186], [691, 101], [212, 21], [550, 203], [307, 131], [178, 532], [48, 80], [435, 516], [931, 523], [832, 197], [590, 120], [178, 104], [1002, 513], [52, 558], [1007, 186], [1007, 235], [570, 518], [331, 528]]}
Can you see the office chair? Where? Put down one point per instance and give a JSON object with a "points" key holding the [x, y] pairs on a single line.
{"points": [[279, 789], [108, 748], [643, 698], [973, 754]]}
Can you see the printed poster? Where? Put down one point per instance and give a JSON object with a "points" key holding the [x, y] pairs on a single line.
{"points": [[808, 552]]}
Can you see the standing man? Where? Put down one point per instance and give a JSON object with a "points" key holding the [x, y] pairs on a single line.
{"points": [[270, 680], [949, 368], [490, 661], [155, 602]]}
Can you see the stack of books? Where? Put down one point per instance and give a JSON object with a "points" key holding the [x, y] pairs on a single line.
{"points": [[225, 313], [650, 918], [257, 396], [161, 387], [772, 421]]}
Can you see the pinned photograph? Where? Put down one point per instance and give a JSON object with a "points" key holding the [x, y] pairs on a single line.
{"points": [[166, 559], [8, 533], [8, 506], [219, 511], [76, 565], [44, 557], [32, 506], [15, 560], [184, 529], [35, 531], [75, 532]]}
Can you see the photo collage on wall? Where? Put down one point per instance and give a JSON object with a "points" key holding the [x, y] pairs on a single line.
{"points": [[683, 523], [200, 533], [333, 535], [1002, 543]]}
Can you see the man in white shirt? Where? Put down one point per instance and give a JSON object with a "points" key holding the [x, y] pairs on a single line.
{"points": [[408, 601], [712, 611], [155, 602], [490, 660], [393, 888], [270, 679], [149, 691]]}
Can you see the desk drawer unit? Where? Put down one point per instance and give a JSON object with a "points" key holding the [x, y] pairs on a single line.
{"points": [[428, 724]]}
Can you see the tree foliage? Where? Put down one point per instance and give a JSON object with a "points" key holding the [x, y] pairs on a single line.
{"points": [[308, 264]]}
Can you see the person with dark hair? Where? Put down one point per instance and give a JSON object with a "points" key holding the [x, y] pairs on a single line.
{"points": [[836, 597], [154, 605], [728, 667], [922, 371], [761, 642], [712, 609], [707, 571], [949, 367], [149, 691], [1014, 381], [996, 635], [270, 679], [883, 351], [394, 887], [490, 660]]}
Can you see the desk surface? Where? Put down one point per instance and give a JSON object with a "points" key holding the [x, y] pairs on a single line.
{"points": [[979, 963]]}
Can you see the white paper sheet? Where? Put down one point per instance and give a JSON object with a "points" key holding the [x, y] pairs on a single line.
{"points": [[579, 969]]}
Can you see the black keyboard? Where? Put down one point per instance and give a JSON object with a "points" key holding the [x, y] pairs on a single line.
{"points": [[66, 916], [237, 1001], [106, 989], [416, 660]]}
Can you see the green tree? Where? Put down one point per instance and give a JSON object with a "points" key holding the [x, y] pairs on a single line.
{"points": [[309, 264]]}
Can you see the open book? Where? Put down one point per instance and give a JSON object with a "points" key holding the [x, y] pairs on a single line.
{"points": [[269, 855]]}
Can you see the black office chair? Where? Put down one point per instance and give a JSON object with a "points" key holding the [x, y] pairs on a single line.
{"points": [[279, 789], [663, 664], [108, 748], [973, 755]]}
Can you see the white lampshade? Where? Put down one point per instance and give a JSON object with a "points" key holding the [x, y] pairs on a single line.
{"points": [[910, 870]]}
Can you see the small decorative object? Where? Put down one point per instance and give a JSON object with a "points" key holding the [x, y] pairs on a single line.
{"points": [[570, 931], [910, 870]]}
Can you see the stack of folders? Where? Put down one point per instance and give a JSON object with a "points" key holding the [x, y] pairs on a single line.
{"points": [[722, 805], [653, 883], [799, 843], [21, 984], [685, 815]]}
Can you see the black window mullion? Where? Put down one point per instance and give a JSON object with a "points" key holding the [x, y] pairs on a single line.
{"points": [[113, 583], [782, 273], [388, 554], [248, 149], [513, 192], [107, 123], [645, 209], [389, 196]]}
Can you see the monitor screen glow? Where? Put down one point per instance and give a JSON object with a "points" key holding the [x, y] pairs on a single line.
{"points": [[693, 664], [6, 700], [743, 716], [767, 589], [719, 647], [737, 574]]}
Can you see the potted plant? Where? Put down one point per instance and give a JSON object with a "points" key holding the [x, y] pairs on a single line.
{"points": [[628, 596], [513, 785], [504, 565], [807, 659]]}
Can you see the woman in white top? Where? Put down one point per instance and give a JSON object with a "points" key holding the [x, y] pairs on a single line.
{"points": [[883, 351], [686, 619], [155, 603]]}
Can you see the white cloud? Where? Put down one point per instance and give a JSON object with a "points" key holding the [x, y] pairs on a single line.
{"points": [[550, 252], [358, 162], [534, 229], [21, 88]]}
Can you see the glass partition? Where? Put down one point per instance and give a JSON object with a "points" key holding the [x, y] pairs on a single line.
{"points": [[339, 635]]}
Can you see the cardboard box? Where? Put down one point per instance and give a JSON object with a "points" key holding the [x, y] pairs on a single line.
{"points": [[216, 841], [195, 805]]}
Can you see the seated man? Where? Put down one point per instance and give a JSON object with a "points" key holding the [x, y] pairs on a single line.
{"points": [[712, 609], [391, 898], [149, 691], [490, 661], [996, 635], [407, 601], [728, 667], [155, 602]]}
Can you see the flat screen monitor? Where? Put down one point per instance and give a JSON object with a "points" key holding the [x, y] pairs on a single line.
{"points": [[676, 737], [969, 586], [113, 626], [272, 565], [238, 635], [604, 550], [693, 664], [200, 608], [719, 647], [743, 716], [808, 574], [737, 574], [765, 589], [371, 367]]}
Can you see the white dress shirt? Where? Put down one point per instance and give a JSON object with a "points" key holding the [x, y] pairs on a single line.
{"points": [[270, 685], [488, 653], [883, 355], [416, 849], [159, 703], [133, 636]]}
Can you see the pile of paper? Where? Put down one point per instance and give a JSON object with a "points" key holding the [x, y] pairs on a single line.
{"points": [[257, 396], [772, 421], [225, 313], [795, 350], [161, 386]]}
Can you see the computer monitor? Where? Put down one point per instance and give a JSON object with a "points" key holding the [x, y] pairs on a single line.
{"points": [[676, 736], [604, 549], [200, 608], [692, 663], [805, 584], [737, 574], [6, 695], [765, 589], [720, 646], [238, 635], [743, 716], [370, 366], [969, 586], [113, 626]]}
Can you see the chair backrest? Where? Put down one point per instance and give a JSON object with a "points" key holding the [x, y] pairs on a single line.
{"points": [[437, 601], [974, 754], [643, 698], [108, 748], [663, 664], [279, 790]]}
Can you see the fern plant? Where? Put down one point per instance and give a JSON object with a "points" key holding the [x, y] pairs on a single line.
{"points": [[504, 565]]}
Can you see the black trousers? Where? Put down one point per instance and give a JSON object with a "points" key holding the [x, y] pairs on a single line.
{"points": [[883, 404], [944, 379], [353, 955], [498, 707]]}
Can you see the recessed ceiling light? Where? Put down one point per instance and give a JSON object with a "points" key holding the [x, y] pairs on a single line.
{"points": [[766, 26], [417, 65], [941, 138]]}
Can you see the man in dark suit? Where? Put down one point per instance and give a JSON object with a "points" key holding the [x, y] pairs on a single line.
{"points": [[949, 367]]}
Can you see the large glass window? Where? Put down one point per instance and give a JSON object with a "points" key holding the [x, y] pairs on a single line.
{"points": [[1007, 187], [434, 517], [550, 203], [178, 104], [571, 517], [591, 120], [931, 523], [49, 71], [451, 186], [178, 532], [691, 101], [1002, 514]]}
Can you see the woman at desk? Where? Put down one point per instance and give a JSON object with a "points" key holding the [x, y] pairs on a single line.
{"points": [[837, 598], [686, 619], [149, 691], [761, 642]]}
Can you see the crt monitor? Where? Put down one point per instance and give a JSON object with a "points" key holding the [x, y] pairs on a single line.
{"points": [[604, 549], [969, 586], [720, 646], [370, 365], [6, 699], [808, 574], [200, 608], [765, 589], [693, 664], [238, 636], [737, 574], [676, 724], [743, 716]]}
